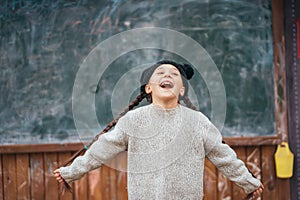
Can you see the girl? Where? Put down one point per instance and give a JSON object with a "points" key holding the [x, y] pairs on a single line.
{"points": [[166, 142]]}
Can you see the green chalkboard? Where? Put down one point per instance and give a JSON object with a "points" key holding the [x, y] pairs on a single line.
{"points": [[43, 43]]}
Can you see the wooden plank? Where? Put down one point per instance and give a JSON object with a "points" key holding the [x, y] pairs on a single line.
{"points": [[224, 187], [253, 161], [280, 101], [122, 176], [113, 179], [95, 187], [122, 185], [253, 141], [280, 80], [283, 188], [105, 182], [81, 188], [23, 176], [274, 187], [37, 176], [237, 192], [36, 148], [9, 177], [62, 157], [210, 181], [1, 179], [268, 172], [51, 185]]}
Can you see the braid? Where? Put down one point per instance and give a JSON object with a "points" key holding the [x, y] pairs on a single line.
{"points": [[65, 186], [188, 103], [131, 105]]}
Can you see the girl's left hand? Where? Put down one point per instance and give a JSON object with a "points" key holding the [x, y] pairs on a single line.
{"points": [[59, 178], [258, 191]]}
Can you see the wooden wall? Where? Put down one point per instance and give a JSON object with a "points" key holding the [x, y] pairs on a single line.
{"points": [[26, 173]]}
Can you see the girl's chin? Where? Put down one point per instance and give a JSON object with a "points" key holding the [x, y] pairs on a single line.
{"points": [[168, 97], [165, 94]]}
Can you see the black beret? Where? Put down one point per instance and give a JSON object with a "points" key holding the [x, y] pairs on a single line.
{"points": [[185, 70]]}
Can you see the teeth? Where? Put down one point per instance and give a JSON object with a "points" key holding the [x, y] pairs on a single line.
{"points": [[166, 84]]}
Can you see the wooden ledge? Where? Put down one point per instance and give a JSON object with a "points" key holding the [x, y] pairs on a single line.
{"points": [[38, 148], [67, 147], [253, 141]]}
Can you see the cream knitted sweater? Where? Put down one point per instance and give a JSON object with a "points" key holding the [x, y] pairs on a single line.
{"points": [[166, 153]]}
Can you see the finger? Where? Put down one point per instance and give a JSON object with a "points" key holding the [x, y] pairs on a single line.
{"points": [[261, 186], [257, 193], [59, 176], [254, 194], [59, 180], [56, 173]]}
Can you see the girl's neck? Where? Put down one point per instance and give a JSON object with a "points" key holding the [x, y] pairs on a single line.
{"points": [[165, 104]]}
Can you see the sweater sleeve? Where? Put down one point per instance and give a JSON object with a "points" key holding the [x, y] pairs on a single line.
{"points": [[105, 148], [225, 159]]}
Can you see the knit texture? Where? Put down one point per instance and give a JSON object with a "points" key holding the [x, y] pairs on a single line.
{"points": [[166, 153]]}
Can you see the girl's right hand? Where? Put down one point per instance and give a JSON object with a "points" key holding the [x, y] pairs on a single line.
{"points": [[59, 178]]}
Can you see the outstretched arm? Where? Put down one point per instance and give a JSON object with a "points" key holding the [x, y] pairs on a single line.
{"points": [[104, 149], [225, 159]]}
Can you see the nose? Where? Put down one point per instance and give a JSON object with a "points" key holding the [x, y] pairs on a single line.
{"points": [[167, 74]]}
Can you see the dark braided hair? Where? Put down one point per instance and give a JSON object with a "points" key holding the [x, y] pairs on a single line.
{"points": [[186, 72], [65, 186], [131, 105], [188, 103]]}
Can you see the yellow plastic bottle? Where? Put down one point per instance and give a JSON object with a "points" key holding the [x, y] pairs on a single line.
{"points": [[284, 161]]}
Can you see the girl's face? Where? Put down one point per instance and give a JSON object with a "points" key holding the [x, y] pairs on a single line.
{"points": [[165, 84]]}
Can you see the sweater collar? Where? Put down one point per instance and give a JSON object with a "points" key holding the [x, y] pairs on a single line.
{"points": [[165, 111]]}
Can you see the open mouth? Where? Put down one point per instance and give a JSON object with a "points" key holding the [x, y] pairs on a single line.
{"points": [[166, 84]]}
